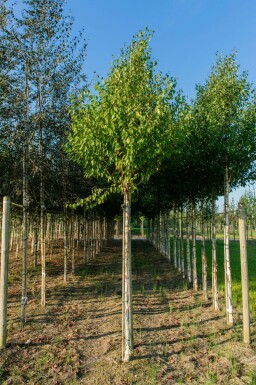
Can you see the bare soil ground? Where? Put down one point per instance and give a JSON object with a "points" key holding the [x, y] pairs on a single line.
{"points": [[76, 338]]}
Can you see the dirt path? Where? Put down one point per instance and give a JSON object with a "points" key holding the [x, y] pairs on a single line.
{"points": [[76, 339]]}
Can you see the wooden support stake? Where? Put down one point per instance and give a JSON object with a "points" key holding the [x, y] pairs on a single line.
{"points": [[244, 273]]}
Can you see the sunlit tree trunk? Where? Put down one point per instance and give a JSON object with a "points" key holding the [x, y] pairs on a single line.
{"points": [[42, 203], [127, 279], [4, 270], [203, 253], [228, 280], [214, 258]]}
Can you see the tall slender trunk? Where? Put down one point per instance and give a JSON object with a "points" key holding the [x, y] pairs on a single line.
{"points": [[84, 238], [161, 232], [25, 203], [127, 279], [174, 238], [178, 242], [168, 251], [4, 270], [182, 264], [35, 241], [203, 253], [65, 238], [72, 231], [195, 283], [214, 257], [42, 203], [142, 219], [189, 275], [228, 280]]}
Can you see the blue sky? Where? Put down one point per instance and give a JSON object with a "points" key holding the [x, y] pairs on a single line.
{"points": [[188, 34]]}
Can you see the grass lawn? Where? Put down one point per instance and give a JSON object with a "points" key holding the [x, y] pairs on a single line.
{"points": [[235, 267]]}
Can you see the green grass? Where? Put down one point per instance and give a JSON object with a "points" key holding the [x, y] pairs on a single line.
{"points": [[235, 268]]}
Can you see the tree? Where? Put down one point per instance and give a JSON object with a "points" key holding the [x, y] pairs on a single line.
{"points": [[225, 126], [120, 134], [48, 63]]}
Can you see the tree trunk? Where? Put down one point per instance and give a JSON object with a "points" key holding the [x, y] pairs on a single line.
{"points": [[174, 239], [24, 237], [228, 280], [72, 236], [182, 264], [127, 279], [189, 276], [195, 284], [214, 258], [142, 226], [84, 238], [4, 270], [178, 242], [168, 251], [65, 238], [42, 203], [35, 240], [25, 203], [203, 253]]}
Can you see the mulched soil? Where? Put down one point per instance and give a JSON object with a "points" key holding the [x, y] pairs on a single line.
{"points": [[76, 338]]}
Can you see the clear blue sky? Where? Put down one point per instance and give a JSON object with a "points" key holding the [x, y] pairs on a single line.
{"points": [[188, 34]]}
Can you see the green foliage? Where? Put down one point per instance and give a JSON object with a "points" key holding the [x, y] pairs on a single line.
{"points": [[121, 132], [224, 123], [40, 66]]}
